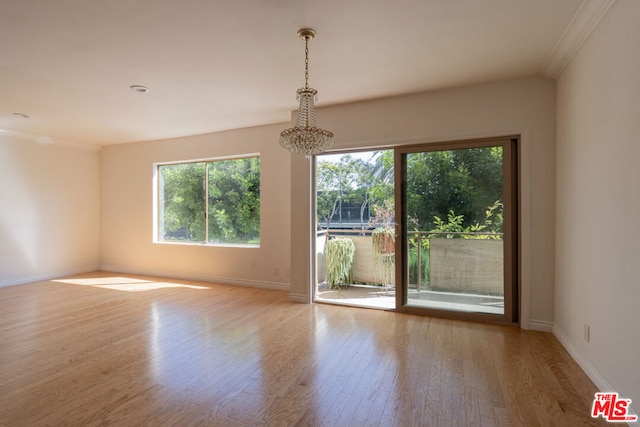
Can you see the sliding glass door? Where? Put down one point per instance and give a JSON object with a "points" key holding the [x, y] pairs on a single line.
{"points": [[457, 239], [428, 229]]}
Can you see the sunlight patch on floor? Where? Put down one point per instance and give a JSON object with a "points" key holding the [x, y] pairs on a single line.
{"points": [[126, 284]]}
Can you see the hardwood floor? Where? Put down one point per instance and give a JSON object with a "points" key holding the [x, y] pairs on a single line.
{"points": [[109, 349]]}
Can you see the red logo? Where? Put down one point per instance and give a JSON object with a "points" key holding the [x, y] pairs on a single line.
{"points": [[612, 408]]}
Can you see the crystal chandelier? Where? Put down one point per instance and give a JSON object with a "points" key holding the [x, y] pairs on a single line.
{"points": [[305, 138]]}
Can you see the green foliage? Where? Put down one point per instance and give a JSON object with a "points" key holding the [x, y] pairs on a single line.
{"points": [[335, 183], [340, 253], [234, 201], [182, 201], [464, 181], [424, 265], [233, 205], [492, 223], [382, 176], [354, 181], [453, 224]]}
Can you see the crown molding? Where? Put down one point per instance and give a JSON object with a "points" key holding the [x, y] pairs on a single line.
{"points": [[585, 20]]}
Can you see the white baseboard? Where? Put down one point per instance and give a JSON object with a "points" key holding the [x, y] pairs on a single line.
{"points": [[594, 375], [49, 276], [601, 383], [538, 325], [200, 278], [303, 298]]}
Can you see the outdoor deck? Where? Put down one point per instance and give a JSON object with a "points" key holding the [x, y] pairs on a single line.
{"points": [[377, 297]]}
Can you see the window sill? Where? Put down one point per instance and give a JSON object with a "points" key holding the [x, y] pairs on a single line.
{"points": [[212, 245]]}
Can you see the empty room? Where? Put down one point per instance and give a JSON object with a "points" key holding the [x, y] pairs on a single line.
{"points": [[357, 213]]}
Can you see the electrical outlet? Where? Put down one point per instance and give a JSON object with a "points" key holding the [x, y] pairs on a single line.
{"points": [[276, 271], [587, 332]]}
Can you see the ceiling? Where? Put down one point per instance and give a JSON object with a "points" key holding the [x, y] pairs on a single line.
{"points": [[224, 64]]}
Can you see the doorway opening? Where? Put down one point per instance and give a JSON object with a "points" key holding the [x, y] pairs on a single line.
{"points": [[355, 210]]}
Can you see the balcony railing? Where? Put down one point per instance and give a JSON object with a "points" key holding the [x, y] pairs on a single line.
{"points": [[455, 261], [422, 236]]}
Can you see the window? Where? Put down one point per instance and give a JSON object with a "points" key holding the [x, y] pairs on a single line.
{"points": [[213, 201]]}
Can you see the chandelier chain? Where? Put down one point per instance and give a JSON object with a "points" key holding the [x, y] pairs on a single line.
{"points": [[306, 62]]}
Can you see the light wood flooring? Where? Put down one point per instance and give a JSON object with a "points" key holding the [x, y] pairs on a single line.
{"points": [[109, 349]]}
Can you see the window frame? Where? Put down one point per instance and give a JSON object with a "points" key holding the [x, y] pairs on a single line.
{"points": [[157, 205]]}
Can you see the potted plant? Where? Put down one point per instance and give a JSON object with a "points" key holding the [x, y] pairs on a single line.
{"points": [[340, 253], [384, 242]]}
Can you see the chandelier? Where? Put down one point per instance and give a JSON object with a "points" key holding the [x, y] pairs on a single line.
{"points": [[305, 138]]}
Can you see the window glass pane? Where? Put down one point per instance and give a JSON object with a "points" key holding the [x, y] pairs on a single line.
{"points": [[455, 235], [182, 202], [234, 201]]}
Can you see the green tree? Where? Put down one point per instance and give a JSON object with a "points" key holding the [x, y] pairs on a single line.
{"points": [[381, 185], [232, 207], [182, 201], [234, 201], [335, 183], [355, 181], [466, 181]]}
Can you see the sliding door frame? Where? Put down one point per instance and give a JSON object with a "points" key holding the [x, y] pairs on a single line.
{"points": [[511, 225]]}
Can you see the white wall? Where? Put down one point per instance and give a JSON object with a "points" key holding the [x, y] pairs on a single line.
{"points": [[598, 203], [127, 211], [49, 209], [521, 106]]}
